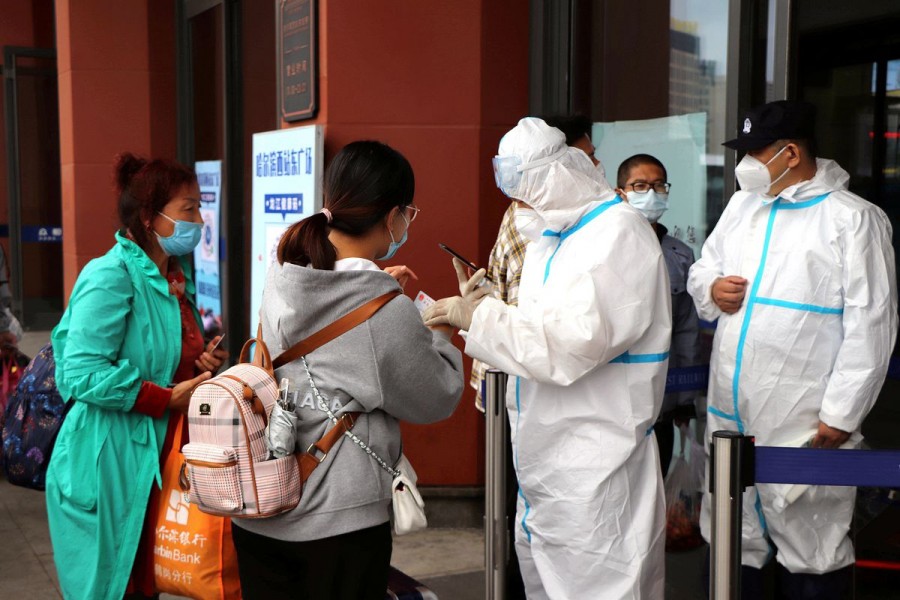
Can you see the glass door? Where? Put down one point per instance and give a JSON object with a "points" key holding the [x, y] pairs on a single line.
{"points": [[848, 65], [210, 132], [34, 257]]}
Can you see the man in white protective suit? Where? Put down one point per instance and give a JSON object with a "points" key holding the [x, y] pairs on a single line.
{"points": [[587, 349], [800, 274]]}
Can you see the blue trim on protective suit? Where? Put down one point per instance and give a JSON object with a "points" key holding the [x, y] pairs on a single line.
{"points": [[521, 493], [825, 310], [804, 204], [549, 261], [754, 299], [640, 358], [759, 513], [719, 413], [562, 235]]}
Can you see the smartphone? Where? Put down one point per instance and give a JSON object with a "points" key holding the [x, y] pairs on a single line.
{"points": [[221, 337], [465, 260]]}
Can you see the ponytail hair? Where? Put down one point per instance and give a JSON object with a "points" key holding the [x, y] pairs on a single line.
{"points": [[363, 183]]}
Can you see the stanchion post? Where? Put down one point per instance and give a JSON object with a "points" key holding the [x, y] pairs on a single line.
{"points": [[730, 471], [495, 528]]}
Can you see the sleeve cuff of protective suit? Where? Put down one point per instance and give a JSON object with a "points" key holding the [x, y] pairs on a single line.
{"points": [[152, 400], [841, 422], [708, 309], [478, 322]]}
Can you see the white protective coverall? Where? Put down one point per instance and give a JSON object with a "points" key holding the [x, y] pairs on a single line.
{"points": [[587, 349], [811, 342]]}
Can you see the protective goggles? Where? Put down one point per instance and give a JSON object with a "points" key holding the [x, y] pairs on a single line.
{"points": [[508, 169]]}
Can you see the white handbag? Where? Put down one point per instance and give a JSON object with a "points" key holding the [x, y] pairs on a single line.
{"points": [[409, 508]]}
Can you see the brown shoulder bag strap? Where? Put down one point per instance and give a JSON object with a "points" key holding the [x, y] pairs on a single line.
{"points": [[317, 452], [336, 329]]}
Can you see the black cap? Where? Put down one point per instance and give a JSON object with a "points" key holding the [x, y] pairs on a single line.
{"points": [[780, 120]]}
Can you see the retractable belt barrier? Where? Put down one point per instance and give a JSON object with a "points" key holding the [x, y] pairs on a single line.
{"points": [[735, 463], [690, 379], [687, 379]]}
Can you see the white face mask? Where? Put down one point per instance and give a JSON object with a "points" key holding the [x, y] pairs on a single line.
{"points": [[529, 225], [753, 176], [651, 204]]}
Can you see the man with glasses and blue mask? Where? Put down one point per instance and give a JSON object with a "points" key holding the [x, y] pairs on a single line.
{"points": [[799, 272], [642, 182], [586, 348]]}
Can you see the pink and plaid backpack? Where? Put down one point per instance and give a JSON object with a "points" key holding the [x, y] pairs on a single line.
{"points": [[228, 469]]}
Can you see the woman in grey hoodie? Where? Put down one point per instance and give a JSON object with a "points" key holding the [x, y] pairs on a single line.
{"points": [[337, 543]]}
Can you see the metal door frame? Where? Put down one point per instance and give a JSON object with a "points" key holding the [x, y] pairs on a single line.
{"points": [[232, 260]]}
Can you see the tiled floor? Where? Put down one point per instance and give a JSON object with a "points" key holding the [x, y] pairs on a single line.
{"points": [[26, 557]]}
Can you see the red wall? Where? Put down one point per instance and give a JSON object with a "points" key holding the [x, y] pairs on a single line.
{"points": [[441, 83], [116, 65]]}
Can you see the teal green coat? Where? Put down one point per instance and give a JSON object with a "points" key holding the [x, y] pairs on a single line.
{"points": [[122, 327]]}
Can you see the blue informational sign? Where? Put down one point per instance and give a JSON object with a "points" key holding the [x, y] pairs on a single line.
{"points": [[284, 204], [206, 256], [286, 188], [42, 233]]}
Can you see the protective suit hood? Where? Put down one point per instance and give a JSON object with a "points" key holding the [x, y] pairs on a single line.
{"points": [[829, 177], [560, 190]]}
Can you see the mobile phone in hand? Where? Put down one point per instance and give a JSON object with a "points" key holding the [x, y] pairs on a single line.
{"points": [[464, 260], [221, 337]]}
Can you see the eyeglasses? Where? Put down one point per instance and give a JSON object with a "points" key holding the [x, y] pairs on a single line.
{"points": [[415, 210], [642, 187]]}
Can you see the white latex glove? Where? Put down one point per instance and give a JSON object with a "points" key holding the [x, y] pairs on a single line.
{"points": [[455, 311], [458, 310], [462, 276]]}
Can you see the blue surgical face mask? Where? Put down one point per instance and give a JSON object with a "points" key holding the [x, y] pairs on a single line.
{"points": [[651, 204], [392, 249], [183, 240]]}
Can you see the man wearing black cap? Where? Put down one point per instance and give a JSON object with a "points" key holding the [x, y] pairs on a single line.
{"points": [[800, 274]]}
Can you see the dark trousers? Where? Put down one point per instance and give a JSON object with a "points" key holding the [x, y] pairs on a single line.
{"points": [[665, 439], [834, 585], [351, 566], [515, 587]]}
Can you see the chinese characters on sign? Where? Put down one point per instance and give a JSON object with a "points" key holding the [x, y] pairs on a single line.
{"points": [[297, 71], [284, 162], [287, 176]]}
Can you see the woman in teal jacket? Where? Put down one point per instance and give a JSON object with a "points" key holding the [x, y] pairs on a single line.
{"points": [[129, 332]]}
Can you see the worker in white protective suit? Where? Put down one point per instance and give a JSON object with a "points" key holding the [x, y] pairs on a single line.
{"points": [[587, 349], [800, 274]]}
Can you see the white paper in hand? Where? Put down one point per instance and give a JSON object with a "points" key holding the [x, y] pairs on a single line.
{"points": [[423, 301]]}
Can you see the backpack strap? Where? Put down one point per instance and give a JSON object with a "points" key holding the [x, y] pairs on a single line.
{"points": [[336, 329], [317, 452]]}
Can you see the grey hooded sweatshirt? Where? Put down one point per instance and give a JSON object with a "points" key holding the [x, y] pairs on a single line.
{"points": [[391, 368]]}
